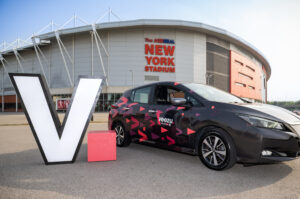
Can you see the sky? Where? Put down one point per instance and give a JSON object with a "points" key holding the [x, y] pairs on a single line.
{"points": [[272, 26]]}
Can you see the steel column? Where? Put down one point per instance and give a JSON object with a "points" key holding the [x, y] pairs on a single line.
{"points": [[2, 90], [39, 59], [92, 40], [64, 60], [19, 62], [16, 103]]}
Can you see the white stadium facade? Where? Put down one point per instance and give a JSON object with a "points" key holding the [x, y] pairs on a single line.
{"points": [[132, 53]]}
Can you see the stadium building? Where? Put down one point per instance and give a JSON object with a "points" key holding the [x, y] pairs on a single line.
{"points": [[133, 53]]}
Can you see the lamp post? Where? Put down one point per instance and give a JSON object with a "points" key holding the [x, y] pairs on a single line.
{"points": [[132, 80], [208, 76]]}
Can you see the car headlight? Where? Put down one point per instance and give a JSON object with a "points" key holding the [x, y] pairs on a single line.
{"points": [[262, 122]]}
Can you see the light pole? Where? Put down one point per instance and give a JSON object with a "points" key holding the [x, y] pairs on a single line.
{"points": [[132, 80], [208, 76]]}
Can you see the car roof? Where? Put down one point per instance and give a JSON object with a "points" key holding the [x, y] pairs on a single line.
{"points": [[150, 84], [155, 83]]}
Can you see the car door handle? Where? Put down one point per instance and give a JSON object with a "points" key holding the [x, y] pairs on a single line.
{"points": [[126, 108], [152, 111]]}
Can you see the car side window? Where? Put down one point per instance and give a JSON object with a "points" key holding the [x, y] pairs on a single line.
{"points": [[189, 98], [162, 95], [141, 95]]}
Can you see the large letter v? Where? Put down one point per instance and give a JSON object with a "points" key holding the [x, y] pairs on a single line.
{"points": [[57, 143]]}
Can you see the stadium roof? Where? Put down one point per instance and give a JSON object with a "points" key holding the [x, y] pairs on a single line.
{"points": [[180, 24]]}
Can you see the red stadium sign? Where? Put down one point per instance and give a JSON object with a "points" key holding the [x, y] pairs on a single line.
{"points": [[160, 57]]}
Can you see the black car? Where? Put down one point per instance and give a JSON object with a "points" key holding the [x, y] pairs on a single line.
{"points": [[220, 128]]}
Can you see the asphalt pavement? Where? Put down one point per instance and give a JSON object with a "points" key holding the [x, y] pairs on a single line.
{"points": [[139, 172]]}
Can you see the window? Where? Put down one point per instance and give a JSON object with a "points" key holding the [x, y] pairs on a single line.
{"points": [[246, 76], [213, 94], [250, 68], [151, 78], [163, 95], [239, 62], [141, 95], [106, 100]]}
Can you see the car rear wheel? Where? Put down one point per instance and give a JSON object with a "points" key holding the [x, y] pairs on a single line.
{"points": [[123, 138], [216, 149]]}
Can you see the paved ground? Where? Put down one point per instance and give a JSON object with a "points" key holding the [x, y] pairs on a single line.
{"points": [[139, 172], [7, 119]]}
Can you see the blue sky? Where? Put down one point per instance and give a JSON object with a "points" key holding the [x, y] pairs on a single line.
{"points": [[272, 26]]}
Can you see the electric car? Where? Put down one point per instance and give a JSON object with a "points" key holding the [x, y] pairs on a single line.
{"points": [[220, 128]]}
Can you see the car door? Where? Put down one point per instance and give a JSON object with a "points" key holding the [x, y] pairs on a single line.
{"points": [[136, 113], [163, 113], [172, 124]]}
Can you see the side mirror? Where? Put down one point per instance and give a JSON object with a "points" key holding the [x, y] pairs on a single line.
{"points": [[178, 101]]}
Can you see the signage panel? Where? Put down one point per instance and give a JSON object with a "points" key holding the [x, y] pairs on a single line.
{"points": [[159, 55]]}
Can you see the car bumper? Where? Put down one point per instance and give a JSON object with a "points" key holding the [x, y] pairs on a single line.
{"points": [[281, 150], [273, 159]]}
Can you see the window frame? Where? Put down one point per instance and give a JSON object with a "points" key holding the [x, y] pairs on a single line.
{"points": [[183, 89], [133, 92]]}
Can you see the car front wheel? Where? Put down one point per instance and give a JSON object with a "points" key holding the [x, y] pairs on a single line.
{"points": [[216, 149]]}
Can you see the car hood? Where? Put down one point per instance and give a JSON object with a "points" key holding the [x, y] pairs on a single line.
{"points": [[275, 111]]}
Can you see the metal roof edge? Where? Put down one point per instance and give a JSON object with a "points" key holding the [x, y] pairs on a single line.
{"points": [[196, 26]]}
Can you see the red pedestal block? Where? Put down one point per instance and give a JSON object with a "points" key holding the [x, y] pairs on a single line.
{"points": [[102, 146]]}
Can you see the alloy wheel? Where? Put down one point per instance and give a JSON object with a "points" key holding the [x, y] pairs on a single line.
{"points": [[120, 134], [213, 150]]}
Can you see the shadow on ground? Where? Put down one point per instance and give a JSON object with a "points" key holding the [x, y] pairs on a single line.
{"points": [[140, 171]]}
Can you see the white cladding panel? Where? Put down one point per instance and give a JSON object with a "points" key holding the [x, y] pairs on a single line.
{"points": [[199, 58], [125, 65], [127, 53], [58, 74], [184, 56]]}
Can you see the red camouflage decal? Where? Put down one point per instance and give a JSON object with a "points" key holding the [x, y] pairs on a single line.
{"points": [[124, 101], [154, 136], [114, 114], [171, 141], [190, 131], [144, 137], [152, 123], [158, 112], [136, 123], [132, 104], [162, 130], [178, 131]]}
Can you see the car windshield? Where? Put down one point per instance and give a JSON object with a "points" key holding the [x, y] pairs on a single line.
{"points": [[213, 94]]}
